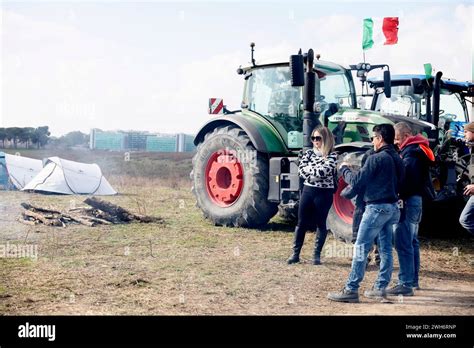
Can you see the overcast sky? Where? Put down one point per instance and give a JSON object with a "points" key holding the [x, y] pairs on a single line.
{"points": [[75, 65]]}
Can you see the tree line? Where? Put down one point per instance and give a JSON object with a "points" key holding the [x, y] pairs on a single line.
{"points": [[29, 136]]}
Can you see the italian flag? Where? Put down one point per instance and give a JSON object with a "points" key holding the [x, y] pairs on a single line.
{"points": [[373, 29]]}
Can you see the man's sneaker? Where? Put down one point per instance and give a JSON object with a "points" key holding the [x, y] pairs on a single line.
{"points": [[375, 293], [400, 290], [344, 296], [416, 287]]}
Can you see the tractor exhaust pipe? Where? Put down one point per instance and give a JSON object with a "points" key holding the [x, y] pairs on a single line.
{"points": [[311, 92], [436, 98]]}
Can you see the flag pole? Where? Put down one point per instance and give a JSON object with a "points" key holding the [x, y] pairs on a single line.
{"points": [[367, 88]]}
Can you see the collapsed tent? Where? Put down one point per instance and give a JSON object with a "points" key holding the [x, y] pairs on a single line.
{"points": [[17, 171], [68, 177]]}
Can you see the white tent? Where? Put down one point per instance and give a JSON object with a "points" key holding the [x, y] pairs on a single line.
{"points": [[68, 177], [21, 170]]}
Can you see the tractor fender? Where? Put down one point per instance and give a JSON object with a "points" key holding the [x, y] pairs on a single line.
{"points": [[354, 146], [261, 135]]}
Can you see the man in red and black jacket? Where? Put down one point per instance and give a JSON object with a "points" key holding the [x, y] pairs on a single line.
{"points": [[417, 158]]}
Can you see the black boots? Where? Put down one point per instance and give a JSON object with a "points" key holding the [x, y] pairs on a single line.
{"points": [[297, 245], [318, 245]]}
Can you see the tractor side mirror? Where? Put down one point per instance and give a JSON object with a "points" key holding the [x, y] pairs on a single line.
{"points": [[297, 70], [387, 83]]}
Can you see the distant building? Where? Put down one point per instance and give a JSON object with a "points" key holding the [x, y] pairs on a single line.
{"points": [[161, 143], [140, 141], [184, 143], [136, 141], [100, 140]]}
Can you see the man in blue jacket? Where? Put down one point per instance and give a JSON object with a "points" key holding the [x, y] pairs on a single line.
{"points": [[417, 158], [380, 179]]}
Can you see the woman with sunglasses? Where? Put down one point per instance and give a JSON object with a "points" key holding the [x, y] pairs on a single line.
{"points": [[318, 168]]}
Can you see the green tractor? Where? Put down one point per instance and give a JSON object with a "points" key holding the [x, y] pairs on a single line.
{"points": [[439, 108], [435, 107], [246, 164]]}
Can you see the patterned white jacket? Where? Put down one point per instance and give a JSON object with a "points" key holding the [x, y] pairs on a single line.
{"points": [[317, 170]]}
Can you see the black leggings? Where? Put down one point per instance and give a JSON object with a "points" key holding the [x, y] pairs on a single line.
{"points": [[314, 208]]}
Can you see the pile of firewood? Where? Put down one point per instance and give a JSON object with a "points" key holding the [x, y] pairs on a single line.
{"points": [[99, 213]]}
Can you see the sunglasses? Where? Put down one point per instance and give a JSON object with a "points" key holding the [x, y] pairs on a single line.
{"points": [[373, 137], [316, 138]]}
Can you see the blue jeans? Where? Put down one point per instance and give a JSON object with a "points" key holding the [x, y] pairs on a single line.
{"points": [[378, 220], [467, 216], [416, 256], [406, 241]]}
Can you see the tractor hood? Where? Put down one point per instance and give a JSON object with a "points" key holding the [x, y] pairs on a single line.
{"points": [[359, 116]]}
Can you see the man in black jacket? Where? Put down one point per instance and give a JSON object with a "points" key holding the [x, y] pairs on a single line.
{"points": [[359, 208], [380, 179], [417, 158]]}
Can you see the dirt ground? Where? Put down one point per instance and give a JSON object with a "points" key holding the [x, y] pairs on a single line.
{"points": [[190, 267]]}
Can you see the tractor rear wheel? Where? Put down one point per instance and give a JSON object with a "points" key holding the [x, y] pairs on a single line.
{"points": [[230, 179]]}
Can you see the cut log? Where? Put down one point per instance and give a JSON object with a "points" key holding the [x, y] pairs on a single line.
{"points": [[114, 212], [94, 219], [82, 209], [110, 208], [43, 219], [79, 219], [29, 206], [105, 216]]}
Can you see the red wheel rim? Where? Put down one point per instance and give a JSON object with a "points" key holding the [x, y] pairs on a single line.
{"points": [[344, 207], [224, 178]]}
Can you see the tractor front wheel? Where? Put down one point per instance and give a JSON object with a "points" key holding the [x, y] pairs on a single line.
{"points": [[341, 213], [340, 216], [230, 179]]}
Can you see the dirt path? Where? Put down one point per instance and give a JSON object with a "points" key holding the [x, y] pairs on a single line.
{"points": [[192, 267]]}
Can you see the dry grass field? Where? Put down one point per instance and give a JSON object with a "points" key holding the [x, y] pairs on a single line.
{"points": [[190, 267]]}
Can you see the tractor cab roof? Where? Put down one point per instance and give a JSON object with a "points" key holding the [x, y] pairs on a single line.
{"points": [[466, 88], [328, 68], [456, 86], [398, 80]]}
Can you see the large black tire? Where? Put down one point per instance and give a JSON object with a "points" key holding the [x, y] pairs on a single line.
{"points": [[251, 208]]}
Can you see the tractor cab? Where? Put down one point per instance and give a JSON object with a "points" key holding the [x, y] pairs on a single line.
{"points": [[439, 109], [411, 97], [268, 93]]}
